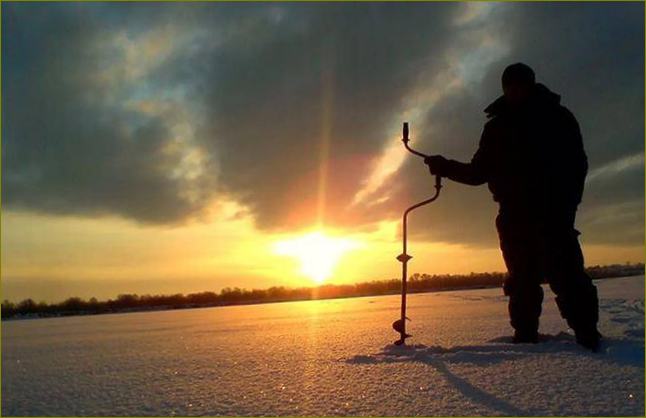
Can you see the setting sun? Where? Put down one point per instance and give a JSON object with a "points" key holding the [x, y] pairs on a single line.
{"points": [[317, 253]]}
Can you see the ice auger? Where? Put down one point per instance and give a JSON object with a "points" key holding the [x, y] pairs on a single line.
{"points": [[400, 324]]}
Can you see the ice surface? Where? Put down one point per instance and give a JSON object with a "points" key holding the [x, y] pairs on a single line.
{"points": [[331, 357]]}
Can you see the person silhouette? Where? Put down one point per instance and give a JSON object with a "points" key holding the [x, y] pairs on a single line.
{"points": [[531, 156]]}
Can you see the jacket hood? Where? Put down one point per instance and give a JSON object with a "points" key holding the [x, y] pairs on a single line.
{"points": [[540, 96]]}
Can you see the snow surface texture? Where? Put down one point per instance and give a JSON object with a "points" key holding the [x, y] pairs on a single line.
{"points": [[330, 357]]}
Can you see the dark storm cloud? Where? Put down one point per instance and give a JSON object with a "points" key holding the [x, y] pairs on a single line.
{"points": [[67, 147], [265, 85]]}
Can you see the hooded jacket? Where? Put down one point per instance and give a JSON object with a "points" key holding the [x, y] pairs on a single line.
{"points": [[531, 157]]}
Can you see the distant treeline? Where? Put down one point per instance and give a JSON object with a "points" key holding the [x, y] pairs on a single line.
{"points": [[28, 308]]}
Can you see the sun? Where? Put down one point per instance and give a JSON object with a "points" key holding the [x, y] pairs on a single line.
{"points": [[317, 253]]}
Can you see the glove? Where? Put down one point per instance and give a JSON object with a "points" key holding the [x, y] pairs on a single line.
{"points": [[437, 165]]}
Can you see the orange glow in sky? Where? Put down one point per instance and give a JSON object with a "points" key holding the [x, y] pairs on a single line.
{"points": [[317, 253]]}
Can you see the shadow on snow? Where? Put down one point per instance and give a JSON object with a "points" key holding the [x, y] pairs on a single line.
{"points": [[625, 351]]}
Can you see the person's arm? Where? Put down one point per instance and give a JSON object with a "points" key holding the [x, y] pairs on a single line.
{"points": [[574, 165], [473, 173]]}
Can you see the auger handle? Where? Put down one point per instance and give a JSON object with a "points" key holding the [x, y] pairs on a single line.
{"points": [[405, 140]]}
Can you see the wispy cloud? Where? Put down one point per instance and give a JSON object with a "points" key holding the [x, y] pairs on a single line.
{"points": [[617, 167]]}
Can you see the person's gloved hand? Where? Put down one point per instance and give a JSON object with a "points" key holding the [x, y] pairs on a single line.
{"points": [[436, 164]]}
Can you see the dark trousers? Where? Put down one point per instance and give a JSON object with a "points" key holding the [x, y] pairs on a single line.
{"points": [[540, 251]]}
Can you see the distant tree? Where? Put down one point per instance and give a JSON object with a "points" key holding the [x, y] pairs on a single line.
{"points": [[8, 309], [26, 306], [73, 304]]}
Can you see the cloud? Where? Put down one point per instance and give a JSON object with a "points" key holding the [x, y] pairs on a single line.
{"points": [[78, 137], [617, 167], [155, 113], [259, 91]]}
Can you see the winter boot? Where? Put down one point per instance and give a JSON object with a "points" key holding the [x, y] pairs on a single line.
{"points": [[525, 337], [589, 338]]}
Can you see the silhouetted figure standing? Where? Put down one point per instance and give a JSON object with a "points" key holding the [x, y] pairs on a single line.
{"points": [[532, 158]]}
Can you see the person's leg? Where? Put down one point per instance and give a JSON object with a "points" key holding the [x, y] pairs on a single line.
{"points": [[520, 252], [576, 295]]}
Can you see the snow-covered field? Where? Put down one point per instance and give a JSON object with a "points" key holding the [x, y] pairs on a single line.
{"points": [[327, 358]]}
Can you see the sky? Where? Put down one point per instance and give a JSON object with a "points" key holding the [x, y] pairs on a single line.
{"points": [[162, 148]]}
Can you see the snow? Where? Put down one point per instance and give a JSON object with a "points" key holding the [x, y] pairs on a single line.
{"points": [[331, 357]]}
